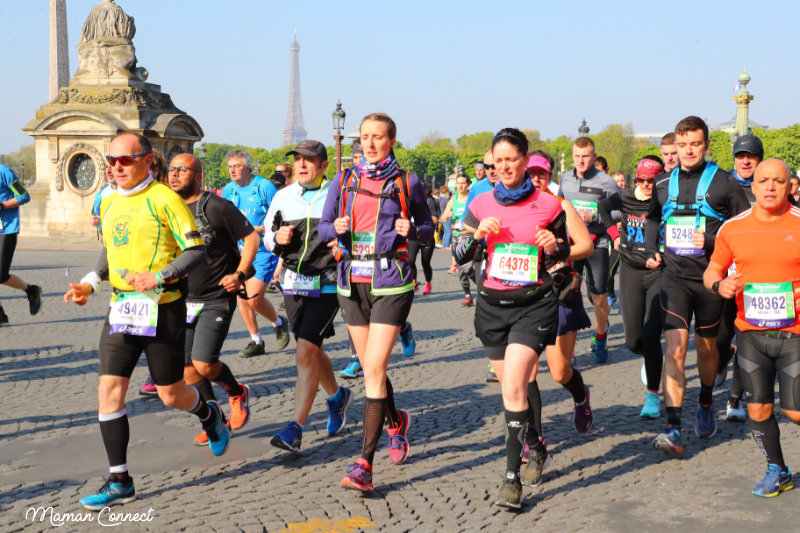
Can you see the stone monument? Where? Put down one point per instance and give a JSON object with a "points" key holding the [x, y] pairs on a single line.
{"points": [[72, 132], [743, 99], [59, 53]]}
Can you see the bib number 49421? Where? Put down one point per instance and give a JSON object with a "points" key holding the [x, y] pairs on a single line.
{"points": [[134, 313]]}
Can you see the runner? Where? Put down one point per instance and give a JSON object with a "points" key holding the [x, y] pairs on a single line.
{"points": [[365, 212], [690, 227], [641, 290], [425, 249], [12, 195], [252, 195], [584, 186], [516, 316], [309, 289], [766, 290], [455, 213], [613, 254], [747, 154], [151, 242], [669, 152], [213, 284]]}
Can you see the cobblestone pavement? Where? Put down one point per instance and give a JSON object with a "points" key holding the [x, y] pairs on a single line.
{"points": [[608, 480]]}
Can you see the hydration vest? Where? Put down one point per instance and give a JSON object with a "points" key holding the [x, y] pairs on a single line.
{"points": [[700, 205]]}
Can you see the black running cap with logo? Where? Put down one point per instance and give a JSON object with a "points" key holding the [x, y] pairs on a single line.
{"points": [[750, 144], [310, 148]]}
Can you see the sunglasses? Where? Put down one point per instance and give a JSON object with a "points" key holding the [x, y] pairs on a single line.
{"points": [[181, 170], [124, 160], [645, 180], [490, 167]]}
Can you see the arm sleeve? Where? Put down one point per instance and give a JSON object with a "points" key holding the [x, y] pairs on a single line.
{"points": [[187, 260], [101, 264], [606, 206]]}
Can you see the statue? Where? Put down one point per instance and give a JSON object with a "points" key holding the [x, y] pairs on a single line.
{"points": [[106, 49]]}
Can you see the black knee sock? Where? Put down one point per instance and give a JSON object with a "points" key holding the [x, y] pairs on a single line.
{"points": [[575, 387], [516, 427], [373, 426], [767, 435], [706, 394], [534, 410], [204, 388], [392, 417], [202, 411], [116, 434], [674, 417], [226, 380]]}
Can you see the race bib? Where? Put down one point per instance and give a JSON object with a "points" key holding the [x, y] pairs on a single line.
{"points": [[300, 285], [769, 305], [193, 311], [515, 264], [679, 232], [363, 243], [134, 313], [585, 206]]}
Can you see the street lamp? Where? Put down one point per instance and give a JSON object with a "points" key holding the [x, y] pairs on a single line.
{"points": [[201, 151], [338, 125]]}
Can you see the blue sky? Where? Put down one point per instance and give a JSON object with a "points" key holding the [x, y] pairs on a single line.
{"points": [[454, 67]]}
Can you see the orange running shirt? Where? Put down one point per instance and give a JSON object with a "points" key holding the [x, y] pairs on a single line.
{"points": [[767, 254]]}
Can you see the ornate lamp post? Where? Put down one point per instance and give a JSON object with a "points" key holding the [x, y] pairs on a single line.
{"points": [[583, 130], [22, 170], [562, 163], [338, 125], [201, 153]]}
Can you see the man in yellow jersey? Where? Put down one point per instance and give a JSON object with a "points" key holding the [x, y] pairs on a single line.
{"points": [[151, 241]]}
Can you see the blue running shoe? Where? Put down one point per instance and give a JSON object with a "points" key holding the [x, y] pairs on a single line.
{"points": [[352, 371], [611, 301], [290, 438], [600, 351], [218, 435], [113, 492], [407, 340], [337, 411], [652, 406], [706, 425], [775, 481], [670, 441]]}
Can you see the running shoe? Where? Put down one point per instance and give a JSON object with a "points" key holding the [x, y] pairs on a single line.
{"points": [[416, 286], [775, 481], [337, 411], [583, 415], [289, 439], [398, 443], [149, 388], [202, 438], [34, 293], [510, 495], [407, 340], [670, 441], [526, 450], [352, 371], [652, 406], [611, 301], [467, 301], [359, 476], [3, 318], [491, 377], [706, 425], [734, 410], [532, 474], [601, 351], [218, 435], [427, 289], [453, 269], [252, 349], [113, 492], [282, 334], [643, 375], [240, 407]]}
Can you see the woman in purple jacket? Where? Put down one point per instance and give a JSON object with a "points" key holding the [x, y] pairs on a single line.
{"points": [[368, 211]]}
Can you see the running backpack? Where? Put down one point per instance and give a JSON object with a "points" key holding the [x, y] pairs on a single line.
{"points": [[700, 205]]}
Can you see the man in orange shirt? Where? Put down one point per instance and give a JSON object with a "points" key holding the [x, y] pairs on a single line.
{"points": [[766, 290]]}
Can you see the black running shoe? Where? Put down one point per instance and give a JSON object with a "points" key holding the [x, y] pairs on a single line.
{"points": [[34, 293]]}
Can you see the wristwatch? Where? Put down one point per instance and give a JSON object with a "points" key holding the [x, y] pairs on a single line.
{"points": [[715, 286], [241, 275]]}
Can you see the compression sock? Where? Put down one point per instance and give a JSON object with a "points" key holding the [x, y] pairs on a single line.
{"points": [[575, 387], [516, 427], [202, 411], [534, 410], [767, 435], [706, 395], [404, 328], [392, 416], [205, 389], [373, 426], [674, 416], [116, 433], [226, 380]]}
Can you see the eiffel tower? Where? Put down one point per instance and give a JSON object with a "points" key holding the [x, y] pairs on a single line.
{"points": [[295, 132]]}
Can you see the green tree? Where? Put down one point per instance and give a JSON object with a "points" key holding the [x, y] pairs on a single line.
{"points": [[475, 143], [25, 155], [720, 147]]}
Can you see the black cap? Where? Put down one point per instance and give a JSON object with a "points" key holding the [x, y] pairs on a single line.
{"points": [[750, 144], [357, 149], [310, 148]]}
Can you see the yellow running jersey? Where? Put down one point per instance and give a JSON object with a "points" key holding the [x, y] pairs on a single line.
{"points": [[145, 232]]}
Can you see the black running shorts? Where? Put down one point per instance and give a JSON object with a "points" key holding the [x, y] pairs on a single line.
{"points": [[311, 319], [206, 334], [8, 243], [119, 352], [681, 298], [596, 270], [761, 358], [531, 325], [363, 308]]}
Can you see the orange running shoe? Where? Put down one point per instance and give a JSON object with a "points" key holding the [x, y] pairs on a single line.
{"points": [[240, 408]]}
